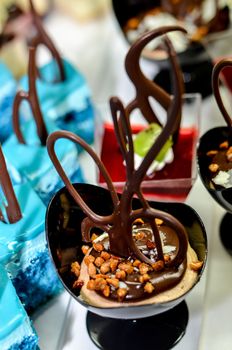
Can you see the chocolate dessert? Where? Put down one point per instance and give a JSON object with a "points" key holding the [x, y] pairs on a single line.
{"points": [[129, 256]]}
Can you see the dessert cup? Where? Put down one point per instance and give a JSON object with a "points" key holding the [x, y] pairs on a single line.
{"points": [[174, 181], [213, 140], [67, 243], [193, 68]]}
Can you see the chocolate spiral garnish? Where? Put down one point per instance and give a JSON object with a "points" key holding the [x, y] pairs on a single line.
{"points": [[12, 207], [146, 88], [32, 98], [42, 38], [218, 67]]}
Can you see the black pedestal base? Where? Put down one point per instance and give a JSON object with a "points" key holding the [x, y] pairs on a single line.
{"points": [[226, 232], [160, 332]]}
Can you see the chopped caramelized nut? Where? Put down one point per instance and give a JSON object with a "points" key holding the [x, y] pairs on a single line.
{"points": [[212, 153], [167, 258], [75, 268], [139, 235], [144, 278], [113, 282], [78, 284], [100, 284], [158, 221], [113, 264], [229, 154], [121, 293], [195, 266], [92, 269], [99, 261], [213, 167], [158, 265], [106, 291], [105, 255], [94, 236], [143, 268], [121, 275], [224, 145], [136, 263], [127, 267], [105, 267], [91, 285], [98, 247], [85, 249], [101, 275], [138, 221], [89, 259], [133, 23], [149, 287]]}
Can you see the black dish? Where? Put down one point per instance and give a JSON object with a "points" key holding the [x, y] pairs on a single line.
{"points": [[65, 247], [223, 196]]}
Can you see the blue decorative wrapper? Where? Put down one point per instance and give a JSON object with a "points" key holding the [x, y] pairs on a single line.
{"points": [[33, 163], [16, 331], [8, 88], [24, 253]]}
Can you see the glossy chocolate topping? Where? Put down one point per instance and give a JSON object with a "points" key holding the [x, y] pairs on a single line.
{"points": [[12, 207], [43, 38], [32, 98], [146, 88], [218, 67]]}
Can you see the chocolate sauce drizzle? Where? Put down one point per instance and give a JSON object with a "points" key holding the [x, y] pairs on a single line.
{"points": [[146, 88], [218, 67], [43, 38], [12, 207], [118, 225], [32, 98]]}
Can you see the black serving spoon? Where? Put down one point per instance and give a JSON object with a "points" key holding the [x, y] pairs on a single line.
{"points": [[211, 141]]}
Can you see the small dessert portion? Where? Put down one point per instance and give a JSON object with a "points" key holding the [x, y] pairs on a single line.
{"points": [[130, 280], [130, 255], [194, 16], [30, 140], [219, 146], [63, 93]]}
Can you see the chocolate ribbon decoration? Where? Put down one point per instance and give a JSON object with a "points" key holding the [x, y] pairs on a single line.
{"points": [[12, 207], [42, 38], [218, 67], [32, 98], [118, 225], [146, 88]]}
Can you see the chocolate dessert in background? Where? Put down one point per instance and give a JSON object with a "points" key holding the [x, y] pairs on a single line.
{"points": [[194, 59]]}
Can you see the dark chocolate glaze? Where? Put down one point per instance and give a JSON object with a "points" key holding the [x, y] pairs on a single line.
{"points": [[218, 67], [43, 38], [162, 280], [32, 98], [12, 208]]}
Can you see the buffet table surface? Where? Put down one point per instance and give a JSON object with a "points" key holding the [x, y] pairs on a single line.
{"points": [[98, 49]]}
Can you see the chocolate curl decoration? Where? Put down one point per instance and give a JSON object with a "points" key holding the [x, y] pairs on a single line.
{"points": [[12, 207], [42, 38], [218, 67], [146, 88], [118, 225], [32, 98]]}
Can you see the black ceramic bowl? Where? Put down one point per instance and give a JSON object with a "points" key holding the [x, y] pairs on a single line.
{"points": [[210, 141], [64, 241]]}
